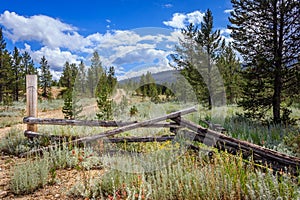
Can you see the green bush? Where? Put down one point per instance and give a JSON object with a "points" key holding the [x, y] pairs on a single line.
{"points": [[14, 143], [29, 176]]}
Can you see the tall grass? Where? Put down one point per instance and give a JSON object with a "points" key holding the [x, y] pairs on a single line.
{"points": [[193, 177]]}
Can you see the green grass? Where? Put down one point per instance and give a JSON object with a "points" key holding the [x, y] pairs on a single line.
{"points": [[192, 177]]}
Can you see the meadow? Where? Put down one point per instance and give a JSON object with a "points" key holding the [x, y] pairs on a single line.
{"points": [[158, 170]]}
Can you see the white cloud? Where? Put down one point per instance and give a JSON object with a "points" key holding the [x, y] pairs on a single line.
{"points": [[225, 34], [49, 31], [140, 71], [225, 31], [180, 20], [195, 17], [228, 10], [55, 57], [168, 5]]}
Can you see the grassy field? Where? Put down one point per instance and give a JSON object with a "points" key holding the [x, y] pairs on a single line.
{"points": [[155, 170]]}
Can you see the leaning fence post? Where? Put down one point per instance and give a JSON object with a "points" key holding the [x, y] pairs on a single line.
{"points": [[31, 99]]}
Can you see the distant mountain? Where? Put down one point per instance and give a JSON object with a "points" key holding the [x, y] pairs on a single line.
{"points": [[169, 76]]}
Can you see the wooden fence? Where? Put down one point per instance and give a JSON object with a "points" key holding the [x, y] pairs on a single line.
{"points": [[260, 155]]}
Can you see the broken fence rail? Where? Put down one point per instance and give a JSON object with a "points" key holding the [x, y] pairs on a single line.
{"points": [[119, 130]]}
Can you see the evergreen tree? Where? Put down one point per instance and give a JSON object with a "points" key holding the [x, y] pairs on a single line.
{"points": [[71, 108], [18, 73], [81, 79], [229, 67], [151, 89], [189, 55], [96, 65], [143, 88], [104, 103], [267, 35], [91, 83], [209, 41], [94, 73], [28, 68], [104, 91], [111, 79], [45, 78], [66, 79], [27, 64], [6, 72]]}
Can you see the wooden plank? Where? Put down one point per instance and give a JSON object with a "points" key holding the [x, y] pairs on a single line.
{"points": [[121, 129], [138, 139], [52, 121], [31, 134], [31, 99], [278, 161]]}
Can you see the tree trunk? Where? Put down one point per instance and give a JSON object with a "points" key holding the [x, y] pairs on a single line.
{"points": [[276, 99], [278, 43]]}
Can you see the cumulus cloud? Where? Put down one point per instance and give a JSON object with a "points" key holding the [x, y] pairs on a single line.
{"points": [[55, 57], [127, 47], [49, 31], [180, 20]]}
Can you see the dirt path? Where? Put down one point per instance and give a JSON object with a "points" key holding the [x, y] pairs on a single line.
{"points": [[118, 96]]}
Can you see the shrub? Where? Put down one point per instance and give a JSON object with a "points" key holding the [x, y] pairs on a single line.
{"points": [[29, 176], [14, 143]]}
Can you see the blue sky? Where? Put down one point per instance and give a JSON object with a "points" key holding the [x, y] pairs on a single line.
{"points": [[135, 36]]}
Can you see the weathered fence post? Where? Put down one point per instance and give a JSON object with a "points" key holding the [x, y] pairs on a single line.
{"points": [[31, 99]]}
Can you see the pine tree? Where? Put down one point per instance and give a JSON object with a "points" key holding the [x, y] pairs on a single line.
{"points": [[28, 68], [94, 73], [45, 78], [111, 79], [143, 88], [188, 57], [27, 64], [209, 41], [69, 75], [81, 79], [6, 72], [267, 35], [104, 104], [104, 91], [71, 108], [229, 67], [18, 73]]}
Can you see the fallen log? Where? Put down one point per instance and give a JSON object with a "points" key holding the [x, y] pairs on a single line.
{"points": [[275, 160], [119, 130]]}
